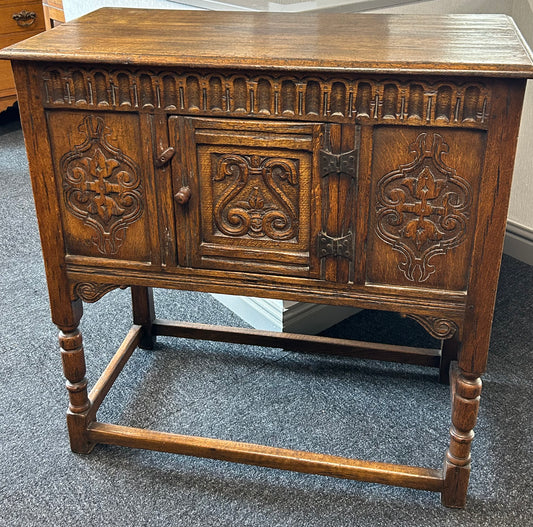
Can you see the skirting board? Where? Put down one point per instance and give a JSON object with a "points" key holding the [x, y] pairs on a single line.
{"points": [[310, 319], [291, 317], [519, 242]]}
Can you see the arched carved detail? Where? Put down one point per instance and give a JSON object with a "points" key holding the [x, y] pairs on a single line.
{"points": [[438, 327], [307, 96], [91, 292]]}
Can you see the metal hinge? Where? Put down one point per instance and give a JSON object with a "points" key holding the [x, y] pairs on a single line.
{"points": [[343, 163], [338, 163], [330, 246]]}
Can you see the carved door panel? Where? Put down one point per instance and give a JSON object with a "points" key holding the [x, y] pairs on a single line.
{"points": [[103, 184], [422, 210], [250, 191]]}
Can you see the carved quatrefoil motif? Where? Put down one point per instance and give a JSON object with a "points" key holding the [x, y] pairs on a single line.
{"points": [[102, 186], [423, 207]]}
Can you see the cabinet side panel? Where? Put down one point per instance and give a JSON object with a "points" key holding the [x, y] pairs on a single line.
{"points": [[102, 184], [423, 206], [492, 214]]}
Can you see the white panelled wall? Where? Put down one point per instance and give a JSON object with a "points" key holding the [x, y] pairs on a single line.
{"points": [[277, 315]]}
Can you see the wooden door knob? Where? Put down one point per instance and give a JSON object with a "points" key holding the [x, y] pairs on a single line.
{"points": [[183, 195]]}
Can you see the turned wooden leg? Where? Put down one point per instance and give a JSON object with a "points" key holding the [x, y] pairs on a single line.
{"points": [[73, 359], [142, 300], [466, 391]]}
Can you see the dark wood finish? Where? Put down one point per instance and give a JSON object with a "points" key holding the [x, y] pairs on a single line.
{"points": [[466, 390], [19, 19], [352, 160], [489, 45]]}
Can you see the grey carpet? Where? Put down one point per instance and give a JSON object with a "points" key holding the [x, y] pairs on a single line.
{"points": [[386, 412]]}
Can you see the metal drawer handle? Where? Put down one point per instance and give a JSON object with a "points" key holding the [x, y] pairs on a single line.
{"points": [[25, 18]]}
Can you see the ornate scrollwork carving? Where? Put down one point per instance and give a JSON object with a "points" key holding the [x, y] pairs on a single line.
{"points": [[102, 186], [256, 202], [438, 327], [423, 207], [91, 292]]}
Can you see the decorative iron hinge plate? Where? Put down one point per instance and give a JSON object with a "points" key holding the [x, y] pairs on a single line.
{"points": [[330, 246], [345, 163]]}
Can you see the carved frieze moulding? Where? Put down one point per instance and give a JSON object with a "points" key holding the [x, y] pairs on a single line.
{"points": [[423, 207], [256, 196], [102, 186], [92, 292], [338, 99]]}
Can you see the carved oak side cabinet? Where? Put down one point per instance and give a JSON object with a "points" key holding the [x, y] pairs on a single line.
{"points": [[358, 160]]}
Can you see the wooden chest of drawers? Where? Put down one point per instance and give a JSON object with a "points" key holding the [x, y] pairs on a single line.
{"points": [[353, 160], [18, 21]]}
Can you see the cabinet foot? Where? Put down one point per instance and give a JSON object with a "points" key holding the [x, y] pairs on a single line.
{"points": [[466, 391], [73, 358]]}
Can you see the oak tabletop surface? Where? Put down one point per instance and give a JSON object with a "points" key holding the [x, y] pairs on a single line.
{"points": [[487, 45]]}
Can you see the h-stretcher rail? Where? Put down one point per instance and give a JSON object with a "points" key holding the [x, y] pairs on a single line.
{"points": [[254, 454]]}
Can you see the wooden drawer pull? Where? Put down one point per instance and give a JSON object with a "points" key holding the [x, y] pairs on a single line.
{"points": [[183, 195], [25, 18], [164, 157]]}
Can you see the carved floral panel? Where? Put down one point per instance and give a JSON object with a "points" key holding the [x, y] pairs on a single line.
{"points": [[102, 186], [423, 208], [256, 196]]}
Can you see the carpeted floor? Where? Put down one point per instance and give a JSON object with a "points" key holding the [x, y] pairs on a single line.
{"points": [[342, 406]]}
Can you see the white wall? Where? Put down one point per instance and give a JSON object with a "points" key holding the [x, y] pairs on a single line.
{"points": [[443, 7], [76, 8], [521, 209]]}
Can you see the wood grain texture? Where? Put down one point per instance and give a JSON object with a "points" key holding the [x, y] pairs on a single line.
{"points": [[460, 44], [252, 454], [350, 160]]}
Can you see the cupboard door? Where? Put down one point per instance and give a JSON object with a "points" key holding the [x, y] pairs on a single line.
{"points": [[246, 195], [423, 207]]}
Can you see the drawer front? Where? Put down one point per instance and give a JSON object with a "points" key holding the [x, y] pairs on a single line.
{"points": [[103, 183], [253, 192], [28, 19], [423, 206], [7, 82]]}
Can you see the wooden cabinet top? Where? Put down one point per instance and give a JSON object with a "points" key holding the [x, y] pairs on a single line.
{"points": [[487, 45]]}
